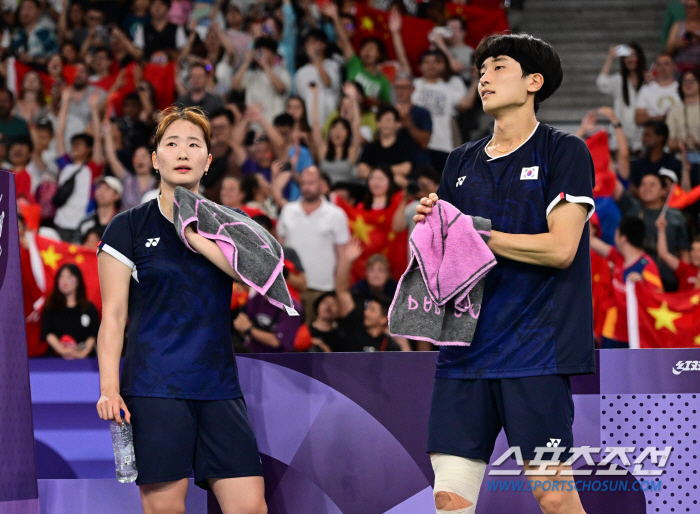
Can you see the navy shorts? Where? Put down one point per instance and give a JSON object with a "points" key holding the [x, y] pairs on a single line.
{"points": [[466, 416], [172, 437]]}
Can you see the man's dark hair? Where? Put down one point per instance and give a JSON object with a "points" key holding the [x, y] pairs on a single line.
{"points": [[387, 108], [283, 120], [438, 54], [383, 301], [8, 92], [381, 47], [223, 112], [85, 138], [21, 140], [459, 19], [322, 297], [660, 129], [696, 239], [249, 186], [199, 65], [102, 49], [166, 2], [264, 221], [533, 55], [633, 229], [44, 124], [266, 42], [132, 97], [316, 34], [429, 172]]}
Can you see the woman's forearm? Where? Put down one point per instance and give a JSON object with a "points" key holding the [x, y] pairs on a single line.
{"points": [[210, 250], [265, 337], [110, 341]]}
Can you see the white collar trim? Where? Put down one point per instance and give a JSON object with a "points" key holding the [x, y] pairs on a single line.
{"points": [[492, 158]]}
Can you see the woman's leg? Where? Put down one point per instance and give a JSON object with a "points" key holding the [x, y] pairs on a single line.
{"points": [[243, 495], [164, 497]]}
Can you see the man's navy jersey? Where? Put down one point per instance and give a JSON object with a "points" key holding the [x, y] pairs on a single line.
{"points": [[534, 320], [179, 342]]}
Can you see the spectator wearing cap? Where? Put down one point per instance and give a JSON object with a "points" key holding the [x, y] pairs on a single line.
{"points": [[656, 98], [34, 41], [388, 149], [654, 139], [320, 71], [197, 94], [364, 68], [108, 193], [10, 125], [159, 35], [653, 191], [264, 78], [416, 122]]}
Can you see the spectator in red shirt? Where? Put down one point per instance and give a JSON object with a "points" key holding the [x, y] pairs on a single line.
{"points": [[688, 274], [19, 154], [631, 263]]}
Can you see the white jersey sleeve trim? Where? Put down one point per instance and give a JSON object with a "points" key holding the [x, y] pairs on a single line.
{"points": [[117, 255], [572, 199]]}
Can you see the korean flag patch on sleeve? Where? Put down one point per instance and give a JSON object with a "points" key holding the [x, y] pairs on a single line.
{"points": [[529, 173]]}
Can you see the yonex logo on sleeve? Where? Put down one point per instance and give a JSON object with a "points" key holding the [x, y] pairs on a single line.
{"points": [[529, 173], [152, 242], [460, 181]]}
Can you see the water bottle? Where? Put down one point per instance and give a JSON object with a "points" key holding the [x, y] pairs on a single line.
{"points": [[124, 458]]}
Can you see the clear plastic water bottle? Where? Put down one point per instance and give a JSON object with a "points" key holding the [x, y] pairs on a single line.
{"points": [[124, 458]]}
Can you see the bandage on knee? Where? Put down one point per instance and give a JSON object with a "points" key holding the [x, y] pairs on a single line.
{"points": [[460, 479]]}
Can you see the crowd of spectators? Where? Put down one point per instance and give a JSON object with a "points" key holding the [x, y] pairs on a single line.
{"points": [[317, 135]]}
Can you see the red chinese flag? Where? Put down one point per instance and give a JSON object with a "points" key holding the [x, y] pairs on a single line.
{"points": [[602, 292], [481, 22], [605, 178], [22, 69], [114, 104], [162, 78], [373, 228], [668, 320], [681, 199], [55, 254], [375, 23]]}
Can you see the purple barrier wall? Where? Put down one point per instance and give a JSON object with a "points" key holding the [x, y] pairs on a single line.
{"points": [[347, 432], [18, 486]]}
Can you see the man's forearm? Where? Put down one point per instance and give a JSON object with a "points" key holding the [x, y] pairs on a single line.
{"points": [[538, 249]]}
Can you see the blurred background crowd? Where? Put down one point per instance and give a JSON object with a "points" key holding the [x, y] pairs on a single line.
{"points": [[329, 121]]}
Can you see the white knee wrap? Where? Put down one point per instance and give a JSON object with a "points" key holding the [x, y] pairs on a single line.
{"points": [[459, 476]]}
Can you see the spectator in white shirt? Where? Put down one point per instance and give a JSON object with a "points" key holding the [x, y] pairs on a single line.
{"points": [[320, 71], [317, 230], [624, 87], [656, 98]]}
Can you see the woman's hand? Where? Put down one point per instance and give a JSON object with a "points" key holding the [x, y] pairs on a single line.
{"points": [[425, 207], [109, 408], [242, 323]]}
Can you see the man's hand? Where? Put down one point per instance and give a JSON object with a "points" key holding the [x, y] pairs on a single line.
{"points": [[330, 10], [661, 223], [353, 249], [242, 323], [425, 207], [395, 21]]}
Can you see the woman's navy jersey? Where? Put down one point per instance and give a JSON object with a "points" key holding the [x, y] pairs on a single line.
{"points": [[179, 342], [534, 320]]}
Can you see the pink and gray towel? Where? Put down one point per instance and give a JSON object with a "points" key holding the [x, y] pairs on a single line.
{"points": [[251, 251], [439, 295]]}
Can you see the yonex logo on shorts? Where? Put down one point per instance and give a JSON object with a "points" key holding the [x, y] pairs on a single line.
{"points": [[152, 242], [553, 443], [529, 173], [460, 181]]}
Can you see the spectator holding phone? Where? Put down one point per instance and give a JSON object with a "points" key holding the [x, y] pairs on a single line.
{"points": [[623, 87], [684, 39]]}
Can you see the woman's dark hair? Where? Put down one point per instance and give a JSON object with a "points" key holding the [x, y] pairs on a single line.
{"points": [[249, 186], [57, 300], [265, 42], [638, 71], [330, 153], [695, 74], [440, 56], [303, 121], [533, 55], [41, 96], [381, 47], [393, 188]]}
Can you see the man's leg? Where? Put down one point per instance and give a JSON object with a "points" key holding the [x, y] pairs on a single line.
{"points": [[164, 497], [457, 483], [558, 496], [243, 495], [463, 428]]}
